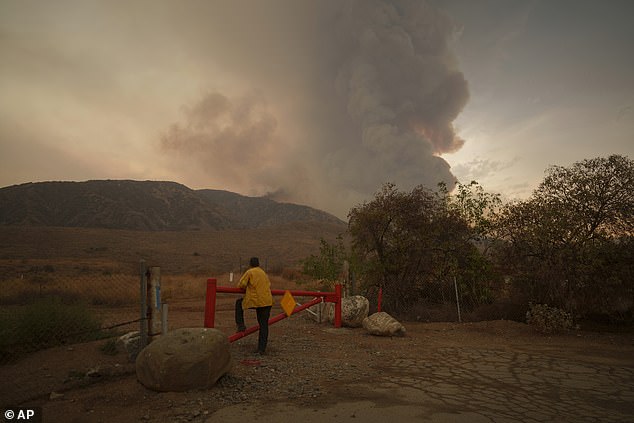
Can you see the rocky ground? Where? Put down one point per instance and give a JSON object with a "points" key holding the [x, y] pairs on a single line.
{"points": [[489, 371]]}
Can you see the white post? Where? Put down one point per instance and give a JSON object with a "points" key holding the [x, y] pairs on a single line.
{"points": [[346, 282], [455, 284]]}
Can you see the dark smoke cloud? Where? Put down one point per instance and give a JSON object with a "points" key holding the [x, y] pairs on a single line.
{"points": [[355, 94], [397, 72]]}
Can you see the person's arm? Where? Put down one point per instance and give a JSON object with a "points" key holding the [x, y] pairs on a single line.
{"points": [[244, 280]]}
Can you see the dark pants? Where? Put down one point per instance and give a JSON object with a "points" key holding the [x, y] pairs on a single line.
{"points": [[263, 314]]}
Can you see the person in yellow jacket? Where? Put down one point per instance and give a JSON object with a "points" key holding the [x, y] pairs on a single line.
{"points": [[257, 296]]}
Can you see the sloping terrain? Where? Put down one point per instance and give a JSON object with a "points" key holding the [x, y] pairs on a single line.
{"points": [[257, 212], [25, 249], [144, 205]]}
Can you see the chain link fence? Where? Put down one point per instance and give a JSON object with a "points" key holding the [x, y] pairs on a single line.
{"points": [[42, 308], [450, 299], [46, 305]]}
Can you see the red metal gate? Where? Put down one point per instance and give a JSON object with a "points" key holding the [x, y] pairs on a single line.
{"points": [[213, 288]]}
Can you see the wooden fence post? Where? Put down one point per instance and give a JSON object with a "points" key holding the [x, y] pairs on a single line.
{"points": [[143, 332]]}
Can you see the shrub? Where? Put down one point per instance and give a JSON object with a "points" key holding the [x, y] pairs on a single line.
{"points": [[292, 274], [45, 323], [548, 319]]}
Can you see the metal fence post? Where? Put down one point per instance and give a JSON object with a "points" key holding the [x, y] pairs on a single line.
{"points": [[154, 288], [455, 284]]}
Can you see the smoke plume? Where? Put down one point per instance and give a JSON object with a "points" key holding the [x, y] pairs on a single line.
{"points": [[340, 97]]}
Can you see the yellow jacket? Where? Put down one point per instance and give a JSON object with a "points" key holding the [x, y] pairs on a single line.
{"points": [[258, 288]]}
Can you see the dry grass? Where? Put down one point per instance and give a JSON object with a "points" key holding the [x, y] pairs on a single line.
{"points": [[70, 251], [101, 266], [114, 290], [111, 290], [80, 274]]}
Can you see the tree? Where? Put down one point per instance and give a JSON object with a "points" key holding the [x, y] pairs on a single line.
{"points": [[326, 266], [570, 244], [412, 244], [597, 194], [476, 206]]}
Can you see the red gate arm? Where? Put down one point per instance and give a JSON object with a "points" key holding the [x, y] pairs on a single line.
{"points": [[294, 292], [273, 320]]}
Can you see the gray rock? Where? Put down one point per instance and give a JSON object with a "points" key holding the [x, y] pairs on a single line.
{"points": [[353, 310], [382, 324], [189, 358], [129, 343], [55, 396], [96, 372]]}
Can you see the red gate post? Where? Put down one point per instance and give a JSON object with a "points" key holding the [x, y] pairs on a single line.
{"points": [[210, 303], [380, 300], [338, 306]]}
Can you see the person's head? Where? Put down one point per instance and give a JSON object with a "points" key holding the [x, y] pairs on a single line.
{"points": [[254, 262]]}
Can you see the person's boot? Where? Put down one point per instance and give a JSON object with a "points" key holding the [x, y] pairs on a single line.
{"points": [[241, 328]]}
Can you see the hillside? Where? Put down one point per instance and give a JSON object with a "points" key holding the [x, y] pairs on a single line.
{"points": [[258, 212], [145, 206], [69, 252]]}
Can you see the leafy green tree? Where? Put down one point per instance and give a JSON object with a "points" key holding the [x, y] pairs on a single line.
{"points": [[328, 265], [476, 206]]}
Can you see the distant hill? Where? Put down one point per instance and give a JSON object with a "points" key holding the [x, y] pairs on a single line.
{"points": [[144, 205], [258, 212]]}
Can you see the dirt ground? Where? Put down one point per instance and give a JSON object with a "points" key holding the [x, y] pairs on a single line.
{"points": [[497, 371]]}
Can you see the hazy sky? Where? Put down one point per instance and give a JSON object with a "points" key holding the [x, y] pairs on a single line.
{"points": [[315, 102]]}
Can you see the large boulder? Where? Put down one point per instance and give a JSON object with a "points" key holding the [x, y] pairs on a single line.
{"points": [[353, 310], [184, 359], [382, 324]]}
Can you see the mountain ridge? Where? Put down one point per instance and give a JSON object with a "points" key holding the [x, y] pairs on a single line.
{"points": [[145, 205]]}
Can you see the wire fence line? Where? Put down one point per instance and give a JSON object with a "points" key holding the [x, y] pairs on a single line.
{"points": [[45, 307], [444, 301]]}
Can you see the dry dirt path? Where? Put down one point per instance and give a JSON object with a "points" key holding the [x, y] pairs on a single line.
{"points": [[484, 372], [440, 372]]}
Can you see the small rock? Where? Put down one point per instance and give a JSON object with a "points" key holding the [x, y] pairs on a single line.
{"points": [[94, 372], [55, 396]]}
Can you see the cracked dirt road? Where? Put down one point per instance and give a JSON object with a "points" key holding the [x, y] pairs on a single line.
{"points": [[480, 372], [497, 371]]}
